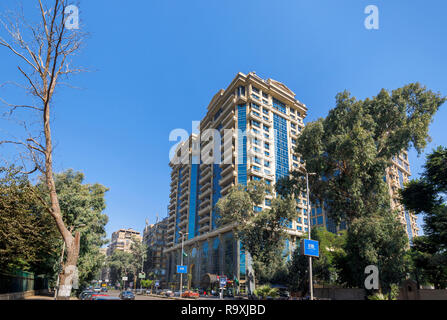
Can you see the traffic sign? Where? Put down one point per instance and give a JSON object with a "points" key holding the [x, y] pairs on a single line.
{"points": [[157, 283], [310, 248], [142, 275], [124, 278], [182, 269], [223, 281]]}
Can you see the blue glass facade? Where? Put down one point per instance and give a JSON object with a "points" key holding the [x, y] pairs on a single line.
{"points": [[281, 146], [242, 144], [216, 193], [193, 202], [177, 213]]}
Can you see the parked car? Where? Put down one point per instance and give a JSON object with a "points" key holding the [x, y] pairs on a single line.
{"points": [[177, 294], [85, 294], [169, 293], [97, 289], [104, 289], [284, 295], [127, 295], [190, 294], [104, 297]]}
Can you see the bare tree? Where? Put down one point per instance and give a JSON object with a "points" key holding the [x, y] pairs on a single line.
{"points": [[44, 50]]}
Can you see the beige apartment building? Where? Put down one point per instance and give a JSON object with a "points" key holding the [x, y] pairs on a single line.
{"points": [[122, 240]]}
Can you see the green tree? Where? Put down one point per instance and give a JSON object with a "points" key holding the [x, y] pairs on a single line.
{"points": [[351, 148], [265, 291], [120, 264], [426, 196], [325, 269], [28, 238], [82, 207], [349, 152], [261, 232], [378, 240], [138, 250]]}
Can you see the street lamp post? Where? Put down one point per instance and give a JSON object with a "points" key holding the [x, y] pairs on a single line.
{"points": [[311, 289], [181, 263]]}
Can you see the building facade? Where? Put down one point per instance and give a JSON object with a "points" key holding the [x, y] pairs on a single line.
{"points": [[122, 240], [248, 133], [154, 236]]}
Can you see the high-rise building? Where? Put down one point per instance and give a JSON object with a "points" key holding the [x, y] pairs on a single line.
{"points": [[248, 133]]}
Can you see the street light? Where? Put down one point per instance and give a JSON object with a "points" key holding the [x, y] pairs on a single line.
{"points": [[311, 289], [181, 263]]}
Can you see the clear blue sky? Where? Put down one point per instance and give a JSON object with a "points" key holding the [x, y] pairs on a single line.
{"points": [[158, 64]]}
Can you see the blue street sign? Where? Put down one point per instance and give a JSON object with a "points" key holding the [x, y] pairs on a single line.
{"points": [[223, 281], [182, 269], [310, 248], [157, 283]]}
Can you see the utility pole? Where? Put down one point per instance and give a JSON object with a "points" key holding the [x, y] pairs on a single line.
{"points": [[311, 289], [181, 263]]}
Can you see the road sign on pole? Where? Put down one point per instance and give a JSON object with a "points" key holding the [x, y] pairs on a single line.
{"points": [[124, 278], [142, 275], [310, 248], [223, 281], [182, 269]]}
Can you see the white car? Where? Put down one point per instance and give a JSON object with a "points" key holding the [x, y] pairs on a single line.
{"points": [[97, 289]]}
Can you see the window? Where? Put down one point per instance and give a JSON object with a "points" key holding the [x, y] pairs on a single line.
{"points": [[320, 220], [255, 178], [293, 141], [299, 220], [268, 182], [257, 209], [256, 149], [255, 123], [267, 153], [256, 113], [265, 101], [256, 141], [267, 163], [266, 128], [292, 111], [256, 160], [278, 105], [295, 158], [256, 168], [267, 171], [255, 106], [268, 202], [255, 96], [255, 131], [241, 91], [265, 111], [293, 125], [266, 135], [265, 118], [299, 228], [265, 95], [254, 89], [267, 145]]}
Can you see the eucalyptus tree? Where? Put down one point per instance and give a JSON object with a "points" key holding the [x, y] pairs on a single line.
{"points": [[43, 50]]}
